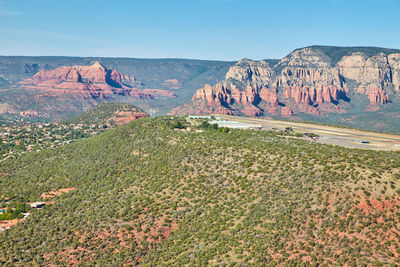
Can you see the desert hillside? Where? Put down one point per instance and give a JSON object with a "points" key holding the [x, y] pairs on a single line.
{"points": [[179, 191]]}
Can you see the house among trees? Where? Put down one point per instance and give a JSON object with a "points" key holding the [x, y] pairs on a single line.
{"points": [[37, 205]]}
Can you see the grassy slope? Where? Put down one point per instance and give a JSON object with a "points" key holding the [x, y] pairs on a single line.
{"points": [[245, 197]]}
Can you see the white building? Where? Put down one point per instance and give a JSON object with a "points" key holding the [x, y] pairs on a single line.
{"points": [[37, 205]]}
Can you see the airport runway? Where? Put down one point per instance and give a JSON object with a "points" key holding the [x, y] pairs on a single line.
{"points": [[328, 134]]}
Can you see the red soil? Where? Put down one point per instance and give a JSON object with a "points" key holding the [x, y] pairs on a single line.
{"points": [[57, 192], [124, 117]]}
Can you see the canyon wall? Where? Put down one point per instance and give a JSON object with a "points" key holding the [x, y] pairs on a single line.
{"points": [[306, 81]]}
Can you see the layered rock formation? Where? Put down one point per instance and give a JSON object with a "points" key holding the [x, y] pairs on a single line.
{"points": [[394, 63], [244, 86], [306, 81], [172, 84], [94, 81], [373, 75]]}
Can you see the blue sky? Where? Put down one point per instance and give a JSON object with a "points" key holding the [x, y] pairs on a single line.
{"points": [[203, 29]]}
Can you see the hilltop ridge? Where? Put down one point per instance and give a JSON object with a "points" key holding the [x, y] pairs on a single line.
{"points": [[109, 114]]}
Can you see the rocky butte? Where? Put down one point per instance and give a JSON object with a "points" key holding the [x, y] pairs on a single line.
{"points": [[312, 80], [94, 81]]}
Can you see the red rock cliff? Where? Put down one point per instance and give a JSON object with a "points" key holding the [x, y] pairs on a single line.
{"points": [[94, 81], [304, 81]]}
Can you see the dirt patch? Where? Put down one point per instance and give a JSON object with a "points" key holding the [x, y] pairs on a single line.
{"points": [[371, 205], [71, 256], [135, 153], [10, 223], [124, 117], [125, 234], [55, 193], [155, 233]]}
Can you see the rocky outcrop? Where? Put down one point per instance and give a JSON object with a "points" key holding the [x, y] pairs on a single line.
{"points": [[253, 73], [314, 95], [306, 57], [394, 63], [200, 107], [213, 95], [94, 81], [270, 96], [245, 86], [372, 74], [253, 88], [306, 81], [311, 86], [172, 84]]}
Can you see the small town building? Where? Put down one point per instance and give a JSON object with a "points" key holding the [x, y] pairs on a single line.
{"points": [[200, 117], [37, 205]]}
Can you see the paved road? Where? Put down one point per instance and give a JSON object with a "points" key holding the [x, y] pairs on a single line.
{"points": [[328, 134]]}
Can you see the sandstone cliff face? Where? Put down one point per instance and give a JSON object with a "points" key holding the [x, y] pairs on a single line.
{"points": [[311, 86], [394, 62], [253, 73], [366, 70], [373, 74], [307, 81], [306, 57], [246, 84], [94, 81]]}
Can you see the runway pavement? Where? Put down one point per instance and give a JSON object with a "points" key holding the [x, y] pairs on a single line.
{"points": [[328, 134]]}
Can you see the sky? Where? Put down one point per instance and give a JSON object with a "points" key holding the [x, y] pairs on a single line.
{"points": [[198, 29]]}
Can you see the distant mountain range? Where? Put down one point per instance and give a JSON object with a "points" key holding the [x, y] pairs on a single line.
{"points": [[356, 86], [94, 81], [57, 88]]}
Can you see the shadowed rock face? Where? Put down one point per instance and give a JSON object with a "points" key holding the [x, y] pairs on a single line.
{"points": [[394, 63], [94, 81], [304, 81]]}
